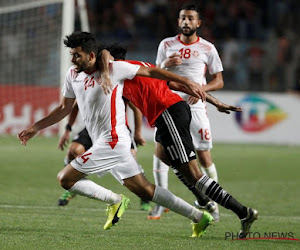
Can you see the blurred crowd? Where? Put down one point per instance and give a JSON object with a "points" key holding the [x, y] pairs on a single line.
{"points": [[258, 41]]}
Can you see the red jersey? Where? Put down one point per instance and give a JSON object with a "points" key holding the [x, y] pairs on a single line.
{"points": [[152, 96]]}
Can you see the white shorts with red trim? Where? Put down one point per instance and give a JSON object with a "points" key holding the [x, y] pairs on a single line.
{"points": [[101, 158], [200, 130]]}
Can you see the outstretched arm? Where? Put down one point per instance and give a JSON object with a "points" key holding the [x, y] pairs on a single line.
{"points": [[64, 139], [55, 116], [222, 107], [194, 88]]}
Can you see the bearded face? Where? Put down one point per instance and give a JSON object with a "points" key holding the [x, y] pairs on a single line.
{"points": [[188, 22]]}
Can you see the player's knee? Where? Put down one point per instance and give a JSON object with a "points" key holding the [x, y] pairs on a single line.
{"points": [[75, 150], [64, 181]]}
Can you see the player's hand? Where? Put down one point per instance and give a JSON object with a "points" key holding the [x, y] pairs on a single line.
{"points": [[192, 100], [64, 140], [173, 60], [25, 135], [224, 108], [106, 83], [197, 90], [139, 140]]}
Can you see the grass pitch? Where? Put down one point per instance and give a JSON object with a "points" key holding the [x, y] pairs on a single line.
{"points": [[264, 177]]}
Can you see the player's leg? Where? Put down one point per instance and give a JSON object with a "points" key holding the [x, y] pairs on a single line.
{"points": [[129, 173], [160, 174], [99, 159], [202, 140], [215, 192], [169, 136], [74, 181], [74, 150], [207, 165], [143, 188], [81, 142], [145, 204], [201, 198], [178, 146]]}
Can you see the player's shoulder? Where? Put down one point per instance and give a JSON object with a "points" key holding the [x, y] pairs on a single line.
{"points": [[141, 63], [170, 40], [206, 43], [72, 72]]}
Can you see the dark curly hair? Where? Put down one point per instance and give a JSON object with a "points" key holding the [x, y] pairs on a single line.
{"points": [[85, 40]]}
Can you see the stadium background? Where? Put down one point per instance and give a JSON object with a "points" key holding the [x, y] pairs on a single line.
{"points": [[259, 45], [258, 42]]}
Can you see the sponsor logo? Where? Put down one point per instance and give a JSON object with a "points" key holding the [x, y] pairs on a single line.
{"points": [[258, 114], [192, 154]]}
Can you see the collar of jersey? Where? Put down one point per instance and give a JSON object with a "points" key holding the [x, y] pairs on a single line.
{"points": [[178, 37], [90, 73]]}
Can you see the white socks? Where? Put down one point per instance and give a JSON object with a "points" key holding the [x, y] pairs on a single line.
{"points": [[92, 190], [165, 198], [211, 172], [160, 172]]}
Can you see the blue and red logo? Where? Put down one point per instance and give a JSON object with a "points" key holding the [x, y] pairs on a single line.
{"points": [[258, 114]]}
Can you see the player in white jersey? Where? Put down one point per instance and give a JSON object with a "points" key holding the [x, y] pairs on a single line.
{"points": [[189, 55], [82, 142], [103, 112]]}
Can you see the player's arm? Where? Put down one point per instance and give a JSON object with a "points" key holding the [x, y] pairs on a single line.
{"points": [[103, 63], [215, 84], [55, 116], [64, 139], [138, 120], [195, 89], [222, 107]]}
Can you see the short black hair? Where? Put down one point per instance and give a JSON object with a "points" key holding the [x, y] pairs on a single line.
{"points": [[118, 51], [191, 6], [85, 40]]}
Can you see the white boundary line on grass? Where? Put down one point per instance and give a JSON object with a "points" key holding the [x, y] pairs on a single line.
{"points": [[128, 211]]}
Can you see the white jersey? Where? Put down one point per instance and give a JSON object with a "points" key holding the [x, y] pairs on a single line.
{"points": [[103, 115], [196, 58]]}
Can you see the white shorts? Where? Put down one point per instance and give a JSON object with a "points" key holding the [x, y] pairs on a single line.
{"points": [[101, 159], [200, 130]]}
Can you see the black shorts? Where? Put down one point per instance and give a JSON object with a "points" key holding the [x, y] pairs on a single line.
{"points": [[173, 132], [84, 139]]}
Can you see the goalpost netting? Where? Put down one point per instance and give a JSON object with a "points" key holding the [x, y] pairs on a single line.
{"points": [[33, 61]]}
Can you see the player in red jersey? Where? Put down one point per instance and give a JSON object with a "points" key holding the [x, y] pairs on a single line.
{"points": [[171, 115]]}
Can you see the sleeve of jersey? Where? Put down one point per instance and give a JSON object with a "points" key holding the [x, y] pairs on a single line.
{"points": [[214, 63], [125, 70], [67, 90], [160, 57]]}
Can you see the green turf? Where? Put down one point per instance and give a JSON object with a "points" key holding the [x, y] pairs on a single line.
{"points": [[265, 177]]}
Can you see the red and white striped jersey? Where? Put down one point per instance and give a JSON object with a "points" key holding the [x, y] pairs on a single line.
{"points": [[196, 58], [103, 114]]}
